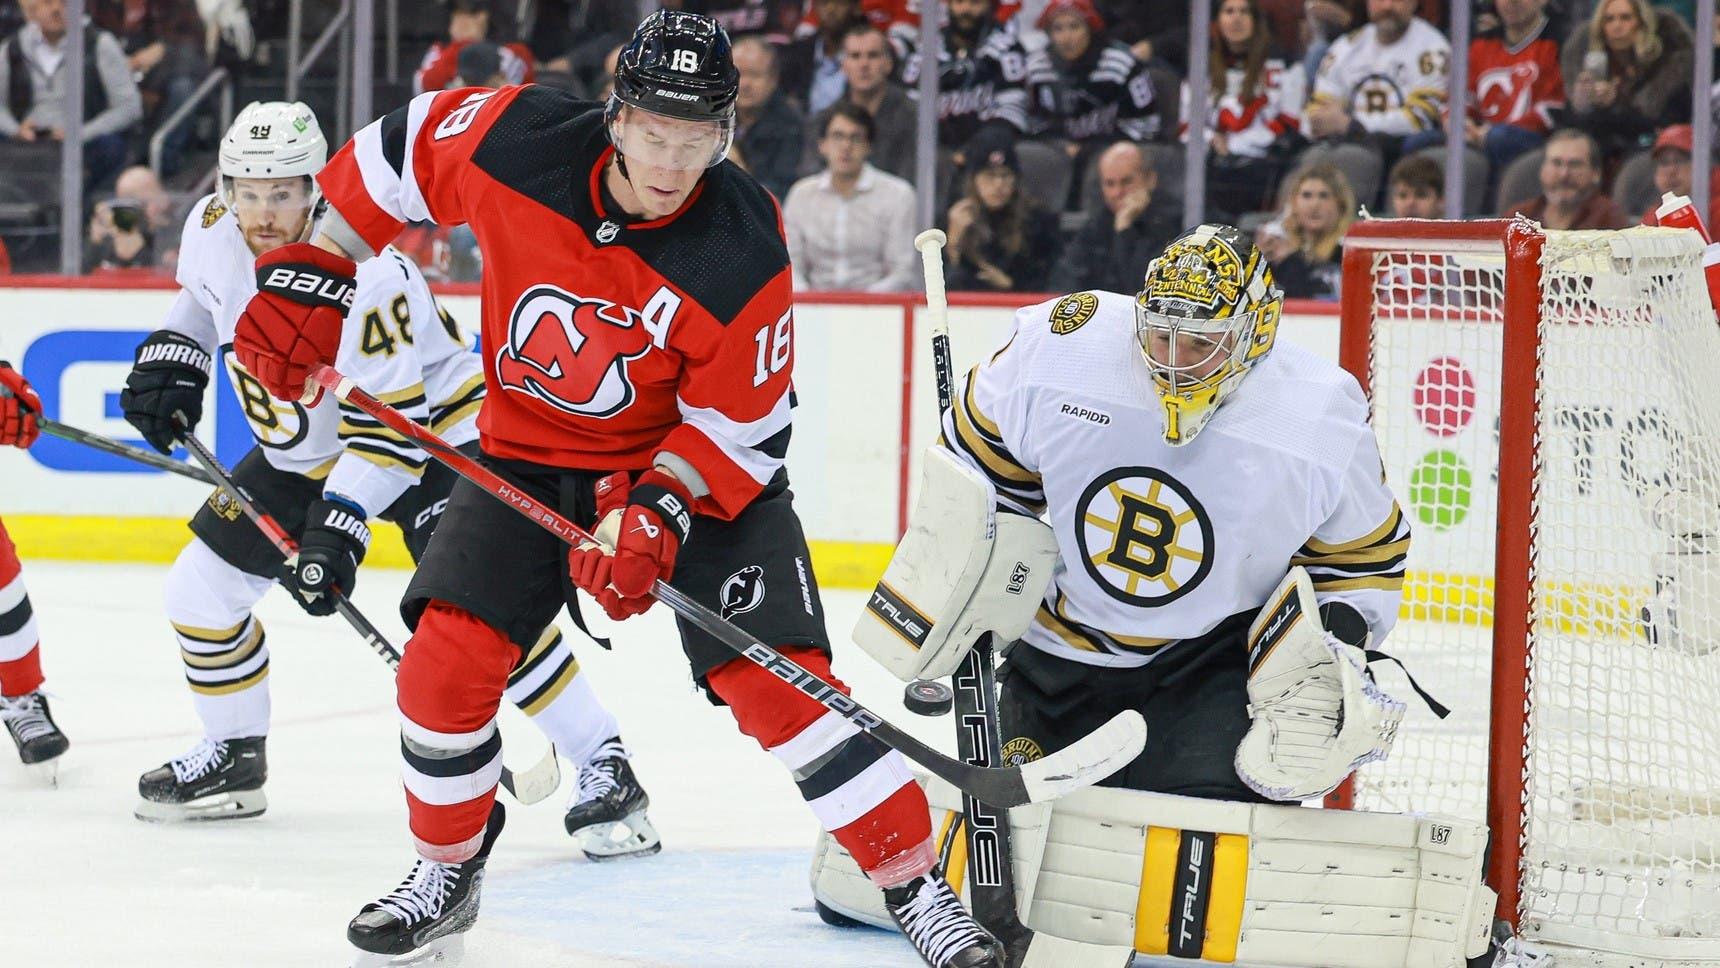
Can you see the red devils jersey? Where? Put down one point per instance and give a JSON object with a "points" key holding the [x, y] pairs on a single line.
{"points": [[605, 343], [1520, 85]]}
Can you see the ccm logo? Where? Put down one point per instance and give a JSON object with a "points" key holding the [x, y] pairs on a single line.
{"points": [[292, 280]]}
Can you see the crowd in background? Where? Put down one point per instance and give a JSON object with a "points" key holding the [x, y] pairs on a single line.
{"points": [[1061, 124]]}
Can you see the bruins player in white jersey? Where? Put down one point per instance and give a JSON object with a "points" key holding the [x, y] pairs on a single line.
{"points": [[323, 471], [1186, 464], [1151, 505]]}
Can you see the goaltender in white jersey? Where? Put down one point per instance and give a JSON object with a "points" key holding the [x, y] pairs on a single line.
{"points": [[323, 471], [1164, 537], [1201, 519]]}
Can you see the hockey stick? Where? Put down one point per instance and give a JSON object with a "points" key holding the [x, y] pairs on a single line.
{"points": [[1096, 755], [991, 870], [528, 788], [54, 428]]}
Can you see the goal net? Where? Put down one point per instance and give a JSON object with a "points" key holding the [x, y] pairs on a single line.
{"points": [[1548, 410]]}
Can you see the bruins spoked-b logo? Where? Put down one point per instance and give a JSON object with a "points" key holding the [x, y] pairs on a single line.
{"points": [[1143, 537], [277, 424]]}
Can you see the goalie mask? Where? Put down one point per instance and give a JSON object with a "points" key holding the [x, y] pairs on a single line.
{"points": [[1206, 314]]}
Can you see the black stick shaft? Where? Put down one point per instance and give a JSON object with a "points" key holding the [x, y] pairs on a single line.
{"points": [[54, 428]]}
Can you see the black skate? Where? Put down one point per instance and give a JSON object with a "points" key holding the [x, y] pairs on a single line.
{"points": [[425, 919], [33, 729], [607, 815], [943, 931], [215, 781]]}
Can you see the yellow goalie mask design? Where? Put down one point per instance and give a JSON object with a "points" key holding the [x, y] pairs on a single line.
{"points": [[1206, 314]]}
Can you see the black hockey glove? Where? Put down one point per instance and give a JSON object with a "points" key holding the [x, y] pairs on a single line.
{"points": [[334, 543], [169, 376]]}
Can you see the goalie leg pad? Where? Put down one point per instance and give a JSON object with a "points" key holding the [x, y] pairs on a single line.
{"points": [[961, 570], [1224, 881], [1316, 712]]}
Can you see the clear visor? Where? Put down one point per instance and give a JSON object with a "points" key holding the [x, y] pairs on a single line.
{"points": [[654, 141], [254, 200]]}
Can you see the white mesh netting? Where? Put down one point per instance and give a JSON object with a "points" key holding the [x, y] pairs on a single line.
{"points": [[1622, 840]]}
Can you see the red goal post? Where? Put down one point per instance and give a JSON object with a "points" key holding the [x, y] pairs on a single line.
{"points": [[1544, 578]]}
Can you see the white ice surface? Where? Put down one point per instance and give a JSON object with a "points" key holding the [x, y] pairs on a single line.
{"points": [[83, 883]]}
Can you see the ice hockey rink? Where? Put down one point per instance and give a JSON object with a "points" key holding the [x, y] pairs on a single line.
{"points": [[85, 884]]}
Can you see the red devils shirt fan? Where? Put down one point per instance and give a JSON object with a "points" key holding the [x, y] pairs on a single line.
{"points": [[637, 342]]}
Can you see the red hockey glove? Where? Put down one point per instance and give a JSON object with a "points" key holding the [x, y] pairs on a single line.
{"points": [[645, 525], [18, 408], [292, 325]]}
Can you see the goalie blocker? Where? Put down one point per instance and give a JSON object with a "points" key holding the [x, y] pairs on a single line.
{"points": [[961, 570], [1221, 881]]}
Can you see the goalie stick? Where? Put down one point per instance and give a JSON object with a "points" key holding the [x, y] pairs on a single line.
{"points": [[991, 871], [529, 787], [1096, 755], [54, 428]]}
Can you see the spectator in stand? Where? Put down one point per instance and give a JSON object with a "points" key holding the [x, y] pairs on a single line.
{"points": [[607, 87], [851, 226], [479, 65], [1515, 83], [163, 43], [1571, 196], [1375, 87], [982, 77], [1000, 238], [901, 16], [119, 237], [1303, 243], [469, 23], [812, 67], [137, 228], [774, 20], [1254, 110], [1674, 172], [867, 63], [1628, 73], [1112, 248], [767, 125], [1153, 32], [1324, 22], [1416, 188], [1085, 90], [33, 77]]}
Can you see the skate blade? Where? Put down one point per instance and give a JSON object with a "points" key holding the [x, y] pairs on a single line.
{"points": [[235, 805], [46, 772], [448, 950], [632, 836]]}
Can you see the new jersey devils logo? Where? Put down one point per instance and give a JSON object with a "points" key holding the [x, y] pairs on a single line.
{"points": [[572, 351]]}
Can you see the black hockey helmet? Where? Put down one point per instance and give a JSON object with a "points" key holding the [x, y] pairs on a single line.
{"points": [[679, 65]]}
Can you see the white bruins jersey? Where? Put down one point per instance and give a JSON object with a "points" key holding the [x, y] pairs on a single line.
{"points": [[1397, 89], [1159, 543], [398, 344]]}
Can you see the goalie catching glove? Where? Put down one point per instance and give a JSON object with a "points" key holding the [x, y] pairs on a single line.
{"points": [[962, 570], [1316, 712]]}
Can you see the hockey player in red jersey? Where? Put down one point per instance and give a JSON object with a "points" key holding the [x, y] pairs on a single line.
{"points": [[637, 341], [23, 707]]}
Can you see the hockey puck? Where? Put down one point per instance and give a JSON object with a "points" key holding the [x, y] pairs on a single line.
{"points": [[928, 697]]}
